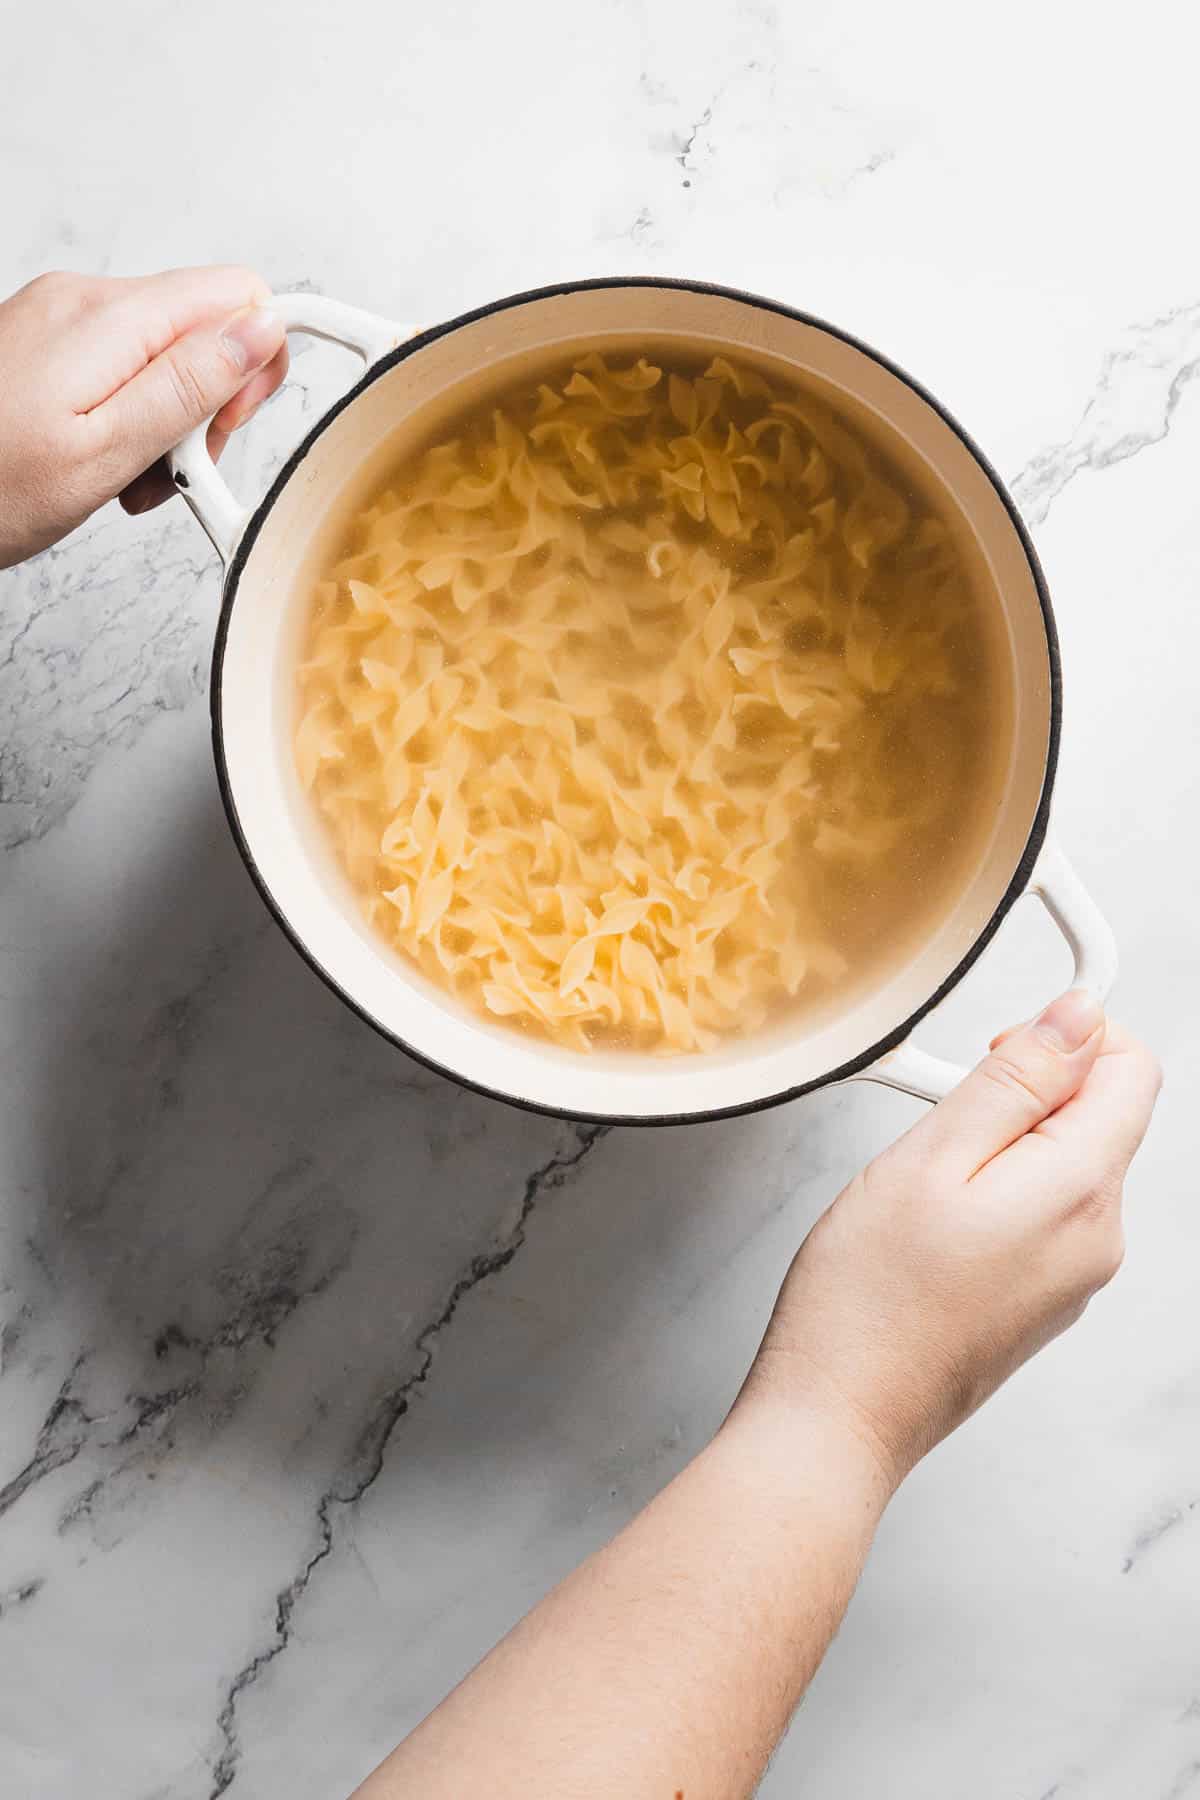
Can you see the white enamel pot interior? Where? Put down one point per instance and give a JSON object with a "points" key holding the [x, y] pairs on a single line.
{"points": [[413, 383]]}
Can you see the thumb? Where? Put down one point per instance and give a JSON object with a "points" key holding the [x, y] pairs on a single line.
{"points": [[1028, 1074], [183, 385]]}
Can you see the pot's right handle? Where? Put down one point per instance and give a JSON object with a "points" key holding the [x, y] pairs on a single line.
{"points": [[193, 470], [914, 1071]]}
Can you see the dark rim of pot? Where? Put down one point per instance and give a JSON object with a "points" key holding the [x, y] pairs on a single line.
{"points": [[1021, 874]]}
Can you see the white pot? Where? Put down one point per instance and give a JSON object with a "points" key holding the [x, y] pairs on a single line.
{"points": [[269, 551]]}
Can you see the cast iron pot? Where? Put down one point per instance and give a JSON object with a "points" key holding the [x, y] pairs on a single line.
{"points": [[412, 381]]}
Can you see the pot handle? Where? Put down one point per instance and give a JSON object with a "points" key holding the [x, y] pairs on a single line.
{"points": [[193, 470], [1055, 883]]}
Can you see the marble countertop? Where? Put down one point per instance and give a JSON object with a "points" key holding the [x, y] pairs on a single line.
{"points": [[315, 1370]]}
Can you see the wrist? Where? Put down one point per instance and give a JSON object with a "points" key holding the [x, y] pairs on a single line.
{"points": [[785, 1399], [798, 1440]]}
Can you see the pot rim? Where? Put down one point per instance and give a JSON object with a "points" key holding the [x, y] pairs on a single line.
{"points": [[858, 1065]]}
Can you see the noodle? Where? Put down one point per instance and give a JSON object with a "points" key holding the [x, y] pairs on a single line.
{"points": [[606, 697]]}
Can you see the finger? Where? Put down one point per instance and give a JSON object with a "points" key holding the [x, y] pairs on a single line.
{"points": [[1097, 1132], [216, 441], [238, 411], [147, 490], [1002, 1037], [192, 378], [154, 485], [1015, 1087], [133, 319]]}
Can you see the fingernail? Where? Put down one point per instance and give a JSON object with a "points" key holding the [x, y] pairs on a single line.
{"points": [[1069, 1021], [252, 337]]}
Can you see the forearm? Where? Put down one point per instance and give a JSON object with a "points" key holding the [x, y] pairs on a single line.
{"points": [[672, 1660]]}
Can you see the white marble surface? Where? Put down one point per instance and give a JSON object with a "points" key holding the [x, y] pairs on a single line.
{"points": [[315, 1370]]}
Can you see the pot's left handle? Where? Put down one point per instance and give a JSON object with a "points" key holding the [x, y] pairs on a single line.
{"points": [[193, 470], [1091, 942]]}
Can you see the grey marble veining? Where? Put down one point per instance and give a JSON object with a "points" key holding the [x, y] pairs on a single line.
{"points": [[366, 1461], [315, 1370], [1136, 396]]}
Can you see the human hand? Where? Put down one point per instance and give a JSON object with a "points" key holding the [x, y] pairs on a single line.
{"points": [[100, 378], [970, 1243]]}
